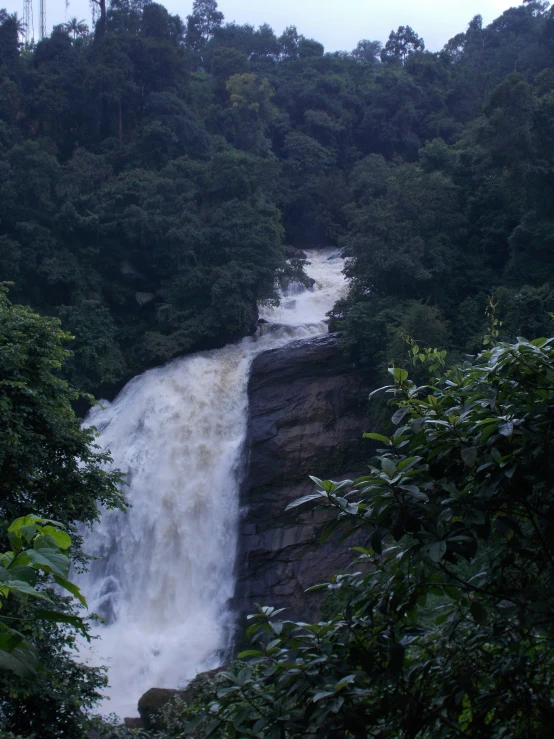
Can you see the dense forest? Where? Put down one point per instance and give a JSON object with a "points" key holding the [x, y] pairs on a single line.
{"points": [[152, 171], [159, 178]]}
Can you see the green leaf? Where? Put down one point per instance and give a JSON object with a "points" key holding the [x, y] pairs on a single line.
{"points": [[469, 455], [61, 538], [27, 574], [71, 588], [343, 682], [24, 522], [323, 694], [399, 415], [211, 727], [407, 462], [400, 375], [487, 432], [22, 661], [388, 466], [10, 640], [378, 390], [317, 481], [437, 550], [249, 653], [63, 618], [306, 499], [51, 560], [377, 542], [253, 629], [507, 429], [415, 492], [28, 532], [24, 588], [260, 724], [319, 586], [377, 437], [277, 626]]}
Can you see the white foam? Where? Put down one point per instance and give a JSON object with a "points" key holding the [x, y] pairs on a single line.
{"points": [[165, 570]]}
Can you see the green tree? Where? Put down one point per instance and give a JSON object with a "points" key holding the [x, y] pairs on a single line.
{"points": [[49, 464], [368, 51], [204, 21], [401, 44], [11, 27], [76, 27]]}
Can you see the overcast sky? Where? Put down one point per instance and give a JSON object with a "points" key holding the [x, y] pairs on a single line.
{"points": [[337, 24]]}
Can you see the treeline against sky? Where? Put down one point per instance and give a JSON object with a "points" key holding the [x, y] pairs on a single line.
{"points": [[152, 171]]}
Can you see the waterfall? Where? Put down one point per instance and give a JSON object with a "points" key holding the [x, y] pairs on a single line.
{"points": [[164, 571]]}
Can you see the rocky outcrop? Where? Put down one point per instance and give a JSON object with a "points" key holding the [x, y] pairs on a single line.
{"points": [[307, 416], [154, 700]]}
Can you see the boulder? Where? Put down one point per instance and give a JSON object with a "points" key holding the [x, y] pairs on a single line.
{"points": [[152, 702], [291, 252]]}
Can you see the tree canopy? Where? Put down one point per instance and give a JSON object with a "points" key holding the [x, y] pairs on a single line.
{"points": [[136, 157]]}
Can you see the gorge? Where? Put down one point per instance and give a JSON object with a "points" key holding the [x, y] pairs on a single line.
{"points": [[165, 575]]}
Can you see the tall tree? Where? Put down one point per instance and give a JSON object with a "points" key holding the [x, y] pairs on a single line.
{"points": [[401, 44], [204, 21]]}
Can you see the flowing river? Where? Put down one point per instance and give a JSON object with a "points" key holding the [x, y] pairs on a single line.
{"points": [[165, 570]]}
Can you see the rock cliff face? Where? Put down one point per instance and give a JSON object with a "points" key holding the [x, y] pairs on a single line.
{"points": [[306, 417]]}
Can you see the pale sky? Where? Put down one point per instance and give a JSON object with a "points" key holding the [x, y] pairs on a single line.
{"points": [[337, 24]]}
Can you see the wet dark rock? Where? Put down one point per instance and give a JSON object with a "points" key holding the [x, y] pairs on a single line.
{"points": [[152, 702], [306, 408], [292, 252], [307, 416]]}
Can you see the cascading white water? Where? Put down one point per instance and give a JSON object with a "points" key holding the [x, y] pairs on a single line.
{"points": [[165, 570]]}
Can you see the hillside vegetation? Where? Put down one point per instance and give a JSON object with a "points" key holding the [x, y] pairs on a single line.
{"points": [[151, 172]]}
